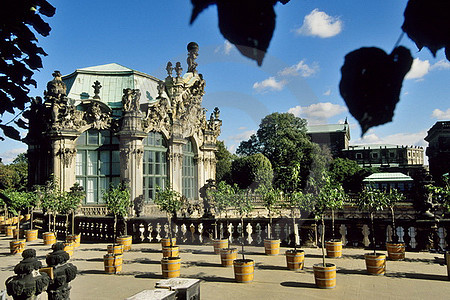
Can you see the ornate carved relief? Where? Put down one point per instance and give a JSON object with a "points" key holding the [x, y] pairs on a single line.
{"points": [[66, 155], [130, 99], [95, 116]]}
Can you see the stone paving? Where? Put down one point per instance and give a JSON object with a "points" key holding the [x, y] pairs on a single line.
{"points": [[420, 276]]}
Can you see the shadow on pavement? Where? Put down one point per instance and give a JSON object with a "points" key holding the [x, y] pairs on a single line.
{"points": [[351, 271], [87, 272], [269, 267], [418, 276], [202, 264], [298, 284]]}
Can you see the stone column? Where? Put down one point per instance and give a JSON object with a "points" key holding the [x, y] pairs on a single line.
{"points": [[63, 153], [131, 154]]}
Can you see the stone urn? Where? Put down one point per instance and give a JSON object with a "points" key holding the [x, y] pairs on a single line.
{"points": [[28, 283], [63, 273]]}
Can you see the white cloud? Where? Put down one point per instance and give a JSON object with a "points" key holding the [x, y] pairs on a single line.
{"points": [[225, 48], [419, 69], [301, 68], [10, 155], [318, 23], [236, 139], [269, 84], [318, 113], [327, 93], [441, 115], [405, 139], [441, 65]]}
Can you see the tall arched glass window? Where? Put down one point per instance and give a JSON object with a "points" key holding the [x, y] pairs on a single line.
{"points": [[155, 164], [189, 172], [98, 163]]}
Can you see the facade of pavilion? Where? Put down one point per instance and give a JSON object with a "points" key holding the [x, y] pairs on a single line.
{"points": [[108, 124]]}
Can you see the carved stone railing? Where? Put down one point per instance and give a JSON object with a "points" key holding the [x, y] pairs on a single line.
{"points": [[354, 230]]}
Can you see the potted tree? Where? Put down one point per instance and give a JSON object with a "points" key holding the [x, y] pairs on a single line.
{"points": [[324, 196], [373, 200], [395, 248], [243, 268], [19, 203], [222, 198], [118, 203], [170, 202], [271, 199], [75, 196], [296, 201], [32, 234], [334, 246], [49, 199]]}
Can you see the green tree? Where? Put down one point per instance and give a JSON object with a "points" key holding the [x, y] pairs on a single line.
{"points": [[271, 200], [20, 55], [15, 175], [372, 200], [222, 199], [20, 201], [49, 195], [348, 173], [282, 138], [252, 171], [118, 203], [243, 205], [69, 202], [169, 201], [300, 201], [223, 165], [393, 196]]}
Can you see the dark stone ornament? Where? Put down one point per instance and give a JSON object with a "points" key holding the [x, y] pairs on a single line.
{"points": [[29, 282], [97, 86], [63, 271], [371, 83]]}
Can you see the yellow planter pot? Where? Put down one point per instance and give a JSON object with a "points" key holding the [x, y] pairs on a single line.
{"points": [[49, 238], [244, 270], [17, 246], [126, 241], [325, 276], [117, 249], [113, 263], [272, 246], [31, 235], [219, 244], [375, 263], [75, 239], [295, 259], [171, 267], [334, 249], [227, 256], [396, 251]]}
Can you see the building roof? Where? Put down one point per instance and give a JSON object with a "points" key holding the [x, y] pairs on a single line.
{"points": [[397, 176], [113, 78], [378, 146], [328, 128]]}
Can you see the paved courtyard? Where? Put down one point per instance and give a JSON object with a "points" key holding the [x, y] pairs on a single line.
{"points": [[420, 276]]}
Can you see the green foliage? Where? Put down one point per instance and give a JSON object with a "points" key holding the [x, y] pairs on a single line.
{"points": [[348, 173], [20, 201], [168, 200], [223, 164], [117, 199], [49, 195], [20, 55], [393, 196], [441, 194], [242, 201], [15, 175], [252, 171], [222, 197], [372, 200], [300, 200], [282, 138], [271, 197], [326, 194], [69, 201]]}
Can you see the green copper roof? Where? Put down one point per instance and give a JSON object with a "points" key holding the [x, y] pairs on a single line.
{"points": [[113, 78], [327, 128], [387, 177]]}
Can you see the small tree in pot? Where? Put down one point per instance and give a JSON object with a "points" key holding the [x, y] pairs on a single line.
{"points": [[373, 200], [170, 202], [73, 201], [20, 202], [118, 203], [271, 200], [325, 195], [396, 249], [221, 197], [243, 268], [49, 199], [297, 201]]}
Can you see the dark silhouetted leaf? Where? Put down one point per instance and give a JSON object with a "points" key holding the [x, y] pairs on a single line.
{"points": [[427, 23], [371, 83], [10, 132], [22, 124], [248, 24]]}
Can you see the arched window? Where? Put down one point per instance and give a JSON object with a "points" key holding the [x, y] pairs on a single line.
{"points": [[189, 173], [155, 164], [98, 163]]}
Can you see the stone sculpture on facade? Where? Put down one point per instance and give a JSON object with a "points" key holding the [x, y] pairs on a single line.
{"points": [[192, 48], [28, 283], [64, 272]]}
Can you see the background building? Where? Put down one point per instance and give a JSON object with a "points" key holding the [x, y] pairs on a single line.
{"points": [[438, 150], [106, 124]]}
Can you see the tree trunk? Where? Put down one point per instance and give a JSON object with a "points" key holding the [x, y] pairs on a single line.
{"points": [[394, 237], [73, 222], [54, 223], [293, 228], [114, 231], [242, 236], [169, 219], [373, 234], [31, 219], [332, 223], [67, 224], [269, 232], [323, 241], [18, 227], [49, 222]]}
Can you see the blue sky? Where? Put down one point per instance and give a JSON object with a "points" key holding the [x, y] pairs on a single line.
{"points": [[300, 73]]}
